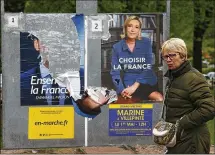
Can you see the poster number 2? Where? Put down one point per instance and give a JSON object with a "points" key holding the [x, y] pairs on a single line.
{"points": [[96, 25], [13, 21]]}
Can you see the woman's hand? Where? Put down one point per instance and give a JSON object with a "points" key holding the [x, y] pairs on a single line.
{"points": [[127, 92]]}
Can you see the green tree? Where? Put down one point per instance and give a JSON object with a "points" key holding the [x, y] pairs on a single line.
{"points": [[111, 6], [50, 6], [181, 22], [14, 5], [145, 6], [203, 15], [131, 6]]}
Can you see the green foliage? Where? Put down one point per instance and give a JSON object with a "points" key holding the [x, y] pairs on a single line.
{"points": [[212, 60], [203, 11], [14, 5], [181, 22], [203, 14], [111, 6], [209, 40], [131, 6], [145, 6], [50, 6], [206, 70]]}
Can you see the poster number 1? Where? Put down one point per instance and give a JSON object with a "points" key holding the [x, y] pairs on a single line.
{"points": [[13, 21], [96, 25]]}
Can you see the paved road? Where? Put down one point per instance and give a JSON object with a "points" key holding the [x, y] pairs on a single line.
{"points": [[125, 149]]}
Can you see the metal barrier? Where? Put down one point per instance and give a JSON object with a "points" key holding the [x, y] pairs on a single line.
{"points": [[95, 132]]}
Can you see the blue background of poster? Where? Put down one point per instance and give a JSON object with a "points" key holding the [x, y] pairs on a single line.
{"points": [[30, 66], [118, 127]]}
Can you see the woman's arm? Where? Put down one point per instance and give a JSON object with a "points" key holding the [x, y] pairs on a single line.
{"points": [[147, 76], [202, 98], [115, 72]]}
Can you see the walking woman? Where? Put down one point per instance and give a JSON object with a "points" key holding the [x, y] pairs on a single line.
{"points": [[188, 100]]}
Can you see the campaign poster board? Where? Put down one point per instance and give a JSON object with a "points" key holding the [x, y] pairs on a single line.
{"points": [[121, 68]]}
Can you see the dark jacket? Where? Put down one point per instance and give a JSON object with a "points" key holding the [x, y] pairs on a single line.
{"points": [[188, 97]]}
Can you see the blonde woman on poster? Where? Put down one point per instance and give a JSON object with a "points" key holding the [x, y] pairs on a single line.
{"points": [[132, 56]]}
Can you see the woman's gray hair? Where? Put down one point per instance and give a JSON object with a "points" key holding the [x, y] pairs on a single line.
{"points": [[175, 45]]}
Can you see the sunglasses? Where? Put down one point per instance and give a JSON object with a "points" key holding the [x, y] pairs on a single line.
{"points": [[170, 56]]}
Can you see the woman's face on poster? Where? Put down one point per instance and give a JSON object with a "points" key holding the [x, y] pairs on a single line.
{"points": [[43, 51], [133, 29], [37, 45]]}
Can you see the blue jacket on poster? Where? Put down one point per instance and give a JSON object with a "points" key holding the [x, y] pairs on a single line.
{"points": [[29, 56], [136, 66]]}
